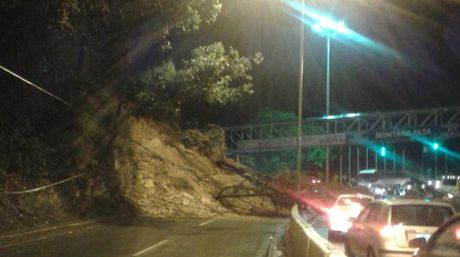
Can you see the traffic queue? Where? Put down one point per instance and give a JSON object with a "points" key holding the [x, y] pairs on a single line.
{"points": [[409, 218]]}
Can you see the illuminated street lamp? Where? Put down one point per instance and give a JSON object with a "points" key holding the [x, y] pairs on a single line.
{"points": [[328, 28]]}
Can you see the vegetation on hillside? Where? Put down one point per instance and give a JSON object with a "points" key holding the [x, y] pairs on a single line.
{"points": [[110, 59], [284, 159]]}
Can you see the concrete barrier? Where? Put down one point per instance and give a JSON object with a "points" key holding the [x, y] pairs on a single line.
{"points": [[303, 241]]}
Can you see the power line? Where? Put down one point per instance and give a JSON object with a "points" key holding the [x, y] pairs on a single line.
{"points": [[33, 190], [39, 88]]}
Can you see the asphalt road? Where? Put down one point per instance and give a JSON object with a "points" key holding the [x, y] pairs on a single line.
{"points": [[219, 237]]}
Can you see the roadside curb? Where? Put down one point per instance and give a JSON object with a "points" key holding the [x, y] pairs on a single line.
{"points": [[47, 229], [273, 250]]}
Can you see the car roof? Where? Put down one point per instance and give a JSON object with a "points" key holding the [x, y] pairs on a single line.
{"points": [[394, 202], [355, 195]]}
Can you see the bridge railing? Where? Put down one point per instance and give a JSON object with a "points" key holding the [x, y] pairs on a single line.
{"points": [[351, 124]]}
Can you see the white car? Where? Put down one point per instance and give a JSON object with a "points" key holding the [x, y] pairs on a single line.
{"points": [[346, 206], [384, 228]]}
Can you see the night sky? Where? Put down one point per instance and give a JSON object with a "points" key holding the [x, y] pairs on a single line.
{"points": [[424, 34]]}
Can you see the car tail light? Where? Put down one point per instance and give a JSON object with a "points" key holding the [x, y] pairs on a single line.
{"points": [[387, 231]]}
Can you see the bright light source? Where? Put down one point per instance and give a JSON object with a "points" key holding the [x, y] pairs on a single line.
{"points": [[437, 184], [369, 171], [330, 27], [352, 115], [379, 191], [340, 116], [387, 231], [317, 27], [356, 207], [383, 151], [457, 233], [435, 146], [330, 117], [339, 220]]}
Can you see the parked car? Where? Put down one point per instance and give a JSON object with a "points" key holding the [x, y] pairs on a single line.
{"points": [[346, 206], [445, 241], [384, 228]]}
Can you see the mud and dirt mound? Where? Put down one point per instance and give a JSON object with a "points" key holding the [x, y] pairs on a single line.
{"points": [[161, 177]]}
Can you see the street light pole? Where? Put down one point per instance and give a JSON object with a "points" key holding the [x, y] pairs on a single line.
{"points": [[328, 28], [300, 98], [328, 83], [328, 74]]}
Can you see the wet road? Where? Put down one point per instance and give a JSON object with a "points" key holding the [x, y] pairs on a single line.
{"points": [[224, 237]]}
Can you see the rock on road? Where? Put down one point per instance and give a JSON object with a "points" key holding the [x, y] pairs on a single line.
{"points": [[222, 236]]}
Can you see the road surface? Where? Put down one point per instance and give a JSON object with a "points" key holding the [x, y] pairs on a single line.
{"points": [[223, 237]]}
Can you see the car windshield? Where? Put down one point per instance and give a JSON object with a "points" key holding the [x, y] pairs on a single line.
{"points": [[420, 215], [347, 201]]}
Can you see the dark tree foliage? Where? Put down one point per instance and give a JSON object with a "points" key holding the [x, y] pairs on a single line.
{"points": [[84, 51], [213, 76]]}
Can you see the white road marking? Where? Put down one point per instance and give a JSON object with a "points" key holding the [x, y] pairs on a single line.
{"points": [[78, 224], [40, 238], [207, 222], [150, 248]]}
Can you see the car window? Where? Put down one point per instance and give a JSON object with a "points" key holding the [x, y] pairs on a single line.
{"points": [[363, 215], [448, 242], [372, 217], [347, 201], [420, 215], [382, 216]]}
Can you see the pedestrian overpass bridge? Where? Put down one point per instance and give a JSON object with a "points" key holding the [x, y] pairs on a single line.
{"points": [[352, 129]]}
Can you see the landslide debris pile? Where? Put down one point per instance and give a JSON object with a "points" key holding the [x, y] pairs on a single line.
{"points": [[164, 173]]}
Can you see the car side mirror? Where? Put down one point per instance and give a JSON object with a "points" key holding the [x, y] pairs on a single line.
{"points": [[418, 243]]}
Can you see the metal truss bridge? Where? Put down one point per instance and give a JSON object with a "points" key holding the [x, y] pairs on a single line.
{"points": [[347, 130]]}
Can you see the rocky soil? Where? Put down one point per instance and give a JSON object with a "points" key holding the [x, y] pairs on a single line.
{"points": [[163, 178], [151, 170]]}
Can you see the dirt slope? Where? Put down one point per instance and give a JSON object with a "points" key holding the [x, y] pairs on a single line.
{"points": [[163, 178]]}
